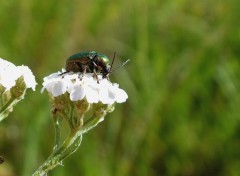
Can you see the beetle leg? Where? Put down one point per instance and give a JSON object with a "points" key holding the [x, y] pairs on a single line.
{"points": [[94, 64], [83, 73], [95, 75], [94, 71], [63, 73]]}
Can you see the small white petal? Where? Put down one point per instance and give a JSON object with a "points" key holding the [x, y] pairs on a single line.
{"points": [[77, 93], [103, 96], [121, 96], [118, 94], [29, 78], [56, 88], [7, 82], [92, 95], [8, 74], [52, 76]]}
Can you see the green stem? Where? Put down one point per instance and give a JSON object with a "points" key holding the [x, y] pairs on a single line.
{"points": [[57, 125], [5, 108], [69, 146], [91, 123], [1, 98], [59, 154]]}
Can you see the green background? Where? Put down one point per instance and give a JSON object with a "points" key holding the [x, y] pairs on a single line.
{"points": [[182, 116]]}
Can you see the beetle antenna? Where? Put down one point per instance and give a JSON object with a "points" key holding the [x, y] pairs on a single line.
{"points": [[112, 61], [120, 66]]}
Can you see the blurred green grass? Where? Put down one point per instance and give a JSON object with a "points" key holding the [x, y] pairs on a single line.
{"points": [[182, 115]]}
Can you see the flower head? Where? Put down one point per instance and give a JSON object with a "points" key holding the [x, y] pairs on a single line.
{"points": [[14, 80], [84, 86], [9, 73]]}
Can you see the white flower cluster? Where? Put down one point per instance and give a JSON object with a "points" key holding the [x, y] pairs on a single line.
{"points": [[9, 73], [84, 87]]}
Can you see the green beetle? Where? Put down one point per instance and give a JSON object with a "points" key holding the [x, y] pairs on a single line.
{"points": [[89, 62]]}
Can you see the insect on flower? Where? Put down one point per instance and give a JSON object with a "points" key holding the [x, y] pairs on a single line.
{"points": [[91, 62]]}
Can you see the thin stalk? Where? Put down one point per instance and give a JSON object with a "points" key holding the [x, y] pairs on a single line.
{"points": [[69, 146], [5, 107], [59, 154], [91, 123], [57, 126]]}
